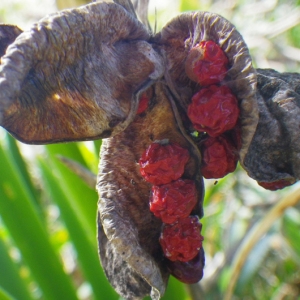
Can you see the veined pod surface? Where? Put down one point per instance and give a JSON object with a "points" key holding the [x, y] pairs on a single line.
{"points": [[178, 38], [73, 75], [130, 231]]}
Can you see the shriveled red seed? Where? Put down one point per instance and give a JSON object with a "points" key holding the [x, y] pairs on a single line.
{"points": [[182, 240], [161, 164], [173, 201], [188, 272], [143, 104], [275, 185], [206, 63], [214, 110], [219, 157]]}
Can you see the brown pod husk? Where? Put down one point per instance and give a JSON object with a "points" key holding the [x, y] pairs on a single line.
{"points": [[73, 75], [182, 33], [274, 153], [8, 33], [132, 231]]}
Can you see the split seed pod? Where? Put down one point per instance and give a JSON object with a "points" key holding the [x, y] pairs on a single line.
{"points": [[130, 231], [179, 37]]}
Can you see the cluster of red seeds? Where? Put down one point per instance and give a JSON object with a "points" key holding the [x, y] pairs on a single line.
{"points": [[214, 109], [173, 200]]}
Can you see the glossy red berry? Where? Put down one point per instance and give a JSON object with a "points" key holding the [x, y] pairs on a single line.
{"points": [[143, 104], [206, 63], [275, 185], [188, 272], [173, 201], [182, 240], [219, 157], [214, 110], [161, 164]]}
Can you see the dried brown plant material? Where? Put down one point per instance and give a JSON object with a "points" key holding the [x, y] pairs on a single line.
{"points": [[131, 229], [274, 153], [75, 75]]}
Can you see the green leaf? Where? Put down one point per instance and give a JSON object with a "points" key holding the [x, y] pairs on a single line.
{"points": [[176, 290], [83, 197], [291, 229], [86, 251], [189, 5], [18, 212], [10, 280], [4, 295], [254, 262]]}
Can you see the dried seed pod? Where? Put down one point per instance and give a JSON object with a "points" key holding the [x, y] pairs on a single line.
{"points": [[8, 34], [179, 37], [73, 75], [274, 153], [131, 229]]}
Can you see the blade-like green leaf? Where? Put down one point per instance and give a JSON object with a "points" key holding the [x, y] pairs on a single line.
{"points": [[176, 290], [83, 197], [86, 251], [21, 218], [10, 279], [4, 295]]}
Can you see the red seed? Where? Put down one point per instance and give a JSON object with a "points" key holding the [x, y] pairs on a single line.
{"points": [[275, 185], [188, 272], [214, 110], [182, 240], [161, 164], [143, 104], [219, 157], [206, 63], [174, 200]]}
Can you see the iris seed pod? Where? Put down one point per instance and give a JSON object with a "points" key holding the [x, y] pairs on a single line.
{"points": [[131, 229], [177, 39]]}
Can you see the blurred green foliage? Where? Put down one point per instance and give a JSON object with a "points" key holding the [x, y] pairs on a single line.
{"points": [[48, 244]]}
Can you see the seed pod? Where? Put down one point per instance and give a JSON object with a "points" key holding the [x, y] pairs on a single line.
{"points": [[130, 227], [275, 149], [75, 75], [179, 37]]}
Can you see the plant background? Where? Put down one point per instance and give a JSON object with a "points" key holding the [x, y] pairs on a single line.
{"points": [[48, 244]]}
